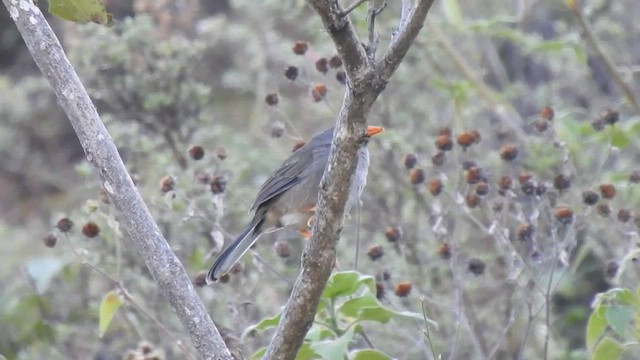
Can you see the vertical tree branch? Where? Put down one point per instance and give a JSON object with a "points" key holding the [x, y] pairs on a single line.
{"points": [[101, 152]]}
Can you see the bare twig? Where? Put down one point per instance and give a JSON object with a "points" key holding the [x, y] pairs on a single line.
{"points": [[352, 7], [166, 269]]}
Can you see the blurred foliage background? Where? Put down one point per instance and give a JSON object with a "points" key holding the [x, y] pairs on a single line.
{"points": [[489, 205]]}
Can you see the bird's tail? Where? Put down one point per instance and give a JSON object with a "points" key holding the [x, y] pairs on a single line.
{"points": [[234, 252]]}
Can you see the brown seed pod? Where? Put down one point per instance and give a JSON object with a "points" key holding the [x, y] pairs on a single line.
{"points": [[603, 210], [64, 225], [482, 188], [474, 175], [90, 229], [528, 188], [541, 125], [50, 240], [476, 266], [403, 289], [322, 65], [196, 152], [468, 164], [472, 200], [524, 232], [386, 275], [237, 268], [444, 143], [524, 177], [598, 124], [282, 249], [291, 73], [509, 152], [547, 113], [610, 117], [335, 62], [224, 278], [466, 139], [634, 177], [300, 47], [218, 184], [590, 197], [375, 252], [318, 92], [505, 183], [341, 77], [438, 159], [167, 183], [271, 99], [410, 160], [221, 152], [435, 186], [541, 189], [624, 215], [563, 214], [561, 182], [416, 176], [444, 251], [298, 145], [200, 280], [608, 191], [611, 269], [393, 233], [497, 206]]}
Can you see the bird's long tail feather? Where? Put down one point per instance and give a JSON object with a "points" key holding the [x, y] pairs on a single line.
{"points": [[234, 252]]}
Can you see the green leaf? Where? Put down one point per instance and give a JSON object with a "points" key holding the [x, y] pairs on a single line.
{"points": [[596, 326], [262, 325], [619, 317], [619, 137], [258, 354], [334, 349], [608, 349], [369, 354], [108, 307], [80, 11], [306, 352], [42, 270], [367, 307], [346, 283]]}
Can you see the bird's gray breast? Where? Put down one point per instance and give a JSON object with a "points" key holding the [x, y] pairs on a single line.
{"points": [[359, 178]]}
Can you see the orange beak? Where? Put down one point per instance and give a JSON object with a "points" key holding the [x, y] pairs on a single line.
{"points": [[373, 130]]}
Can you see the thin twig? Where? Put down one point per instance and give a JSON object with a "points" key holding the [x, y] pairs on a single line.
{"points": [[352, 7]]}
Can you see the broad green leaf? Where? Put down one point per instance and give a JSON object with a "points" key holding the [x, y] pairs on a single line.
{"points": [[619, 137], [306, 352], [80, 11], [334, 349], [262, 325], [42, 270], [369, 354], [319, 333], [619, 317], [596, 326], [258, 354], [367, 307], [108, 307], [346, 283], [607, 349]]}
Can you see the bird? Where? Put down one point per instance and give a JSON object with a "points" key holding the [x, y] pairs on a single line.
{"points": [[287, 199]]}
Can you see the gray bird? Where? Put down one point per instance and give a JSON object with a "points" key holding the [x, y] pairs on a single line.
{"points": [[288, 197]]}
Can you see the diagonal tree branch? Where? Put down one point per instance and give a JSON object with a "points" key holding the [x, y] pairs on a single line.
{"points": [[366, 82], [100, 150]]}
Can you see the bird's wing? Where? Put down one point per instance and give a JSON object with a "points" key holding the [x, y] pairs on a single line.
{"points": [[288, 175]]}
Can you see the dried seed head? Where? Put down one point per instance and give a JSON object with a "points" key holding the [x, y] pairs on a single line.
{"points": [[200, 280], [375, 252], [335, 62], [444, 143], [341, 77], [603, 210], [547, 113], [505, 183], [386, 275], [466, 139], [237, 268], [608, 191], [218, 184], [224, 278], [300, 47], [476, 266], [221, 153], [590, 197], [541, 189], [497, 206], [318, 92], [524, 177], [468, 164], [438, 159], [541, 125], [598, 124], [64, 225], [196, 152], [403, 289], [482, 188], [635, 177], [611, 269], [610, 117], [380, 290], [509, 152], [624, 215], [271, 99], [563, 214], [393, 233], [291, 73], [561, 182], [524, 232], [90, 229], [474, 175], [167, 183], [322, 65], [444, 251], [416, 176], [435, 186], [50, 240], [277, 129], [282, 249], [445, 131], [298, 145], [528, 188], [410, 160], [472, 200]]}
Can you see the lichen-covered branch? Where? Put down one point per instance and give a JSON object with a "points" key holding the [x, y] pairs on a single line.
{"points": [[101, 152]]}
